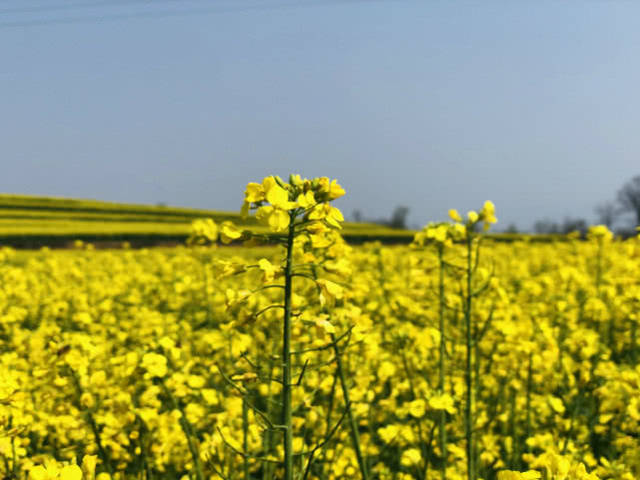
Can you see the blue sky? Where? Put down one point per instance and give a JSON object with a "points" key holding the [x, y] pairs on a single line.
{"points": [[429, 104]]}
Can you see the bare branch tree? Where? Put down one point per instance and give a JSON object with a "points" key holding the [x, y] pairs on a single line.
{"points": [[629, 197], [399, 217], [546, 226], [607, 213]]}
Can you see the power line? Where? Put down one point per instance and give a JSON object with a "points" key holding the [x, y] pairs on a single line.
{"points": [[84, 5], [166, 13], [92, 4]]}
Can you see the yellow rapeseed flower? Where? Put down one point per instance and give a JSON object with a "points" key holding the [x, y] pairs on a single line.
{"points": [[155, 364], [442, 402], [254, 193], [455, 216], [277, 219]]}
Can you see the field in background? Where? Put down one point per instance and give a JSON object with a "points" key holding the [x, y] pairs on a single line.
{"points": [[32, 222]]}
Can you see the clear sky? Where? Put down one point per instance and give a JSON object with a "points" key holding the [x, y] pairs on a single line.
{"points": [[431, 104]]}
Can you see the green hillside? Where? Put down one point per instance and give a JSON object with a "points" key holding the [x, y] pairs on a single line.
{"points": [[32, 222]]}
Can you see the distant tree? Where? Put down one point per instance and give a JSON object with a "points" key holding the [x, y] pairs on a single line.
{"points": [[607, 213], [574, 225], [568, 225], [511, 228], [399, 217], [629, 197], [546, 226]]}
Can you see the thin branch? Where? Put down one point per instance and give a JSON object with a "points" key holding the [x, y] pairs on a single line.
{"points": [[326, 346], [242, 454], [245, 394]]}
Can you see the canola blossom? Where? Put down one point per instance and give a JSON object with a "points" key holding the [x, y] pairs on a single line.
{"points": [[295, 355]]}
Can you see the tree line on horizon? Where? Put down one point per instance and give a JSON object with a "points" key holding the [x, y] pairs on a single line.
{"points": [[609, 213]]}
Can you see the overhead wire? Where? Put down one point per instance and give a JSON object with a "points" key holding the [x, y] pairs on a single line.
{"points": [[110, 17], [84, 5]]}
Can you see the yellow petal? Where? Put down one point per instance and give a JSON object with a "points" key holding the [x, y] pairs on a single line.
{"points": [[38, 473], [71, 472], [335, 190], [254, 193], [278, 197], [454, 215]]}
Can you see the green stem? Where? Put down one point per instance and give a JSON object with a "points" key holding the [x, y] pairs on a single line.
{"points": [[323, 458], [353, 424], [268, 467], [574, 413], [468, 425], [512, 430], [423, 445], [14, 463], [528, 408], [441, 368], [355, 436], [104, 456], [245, 438], [188, 432], [599, 267], [475, 382], [634, 340], [286, 356]]}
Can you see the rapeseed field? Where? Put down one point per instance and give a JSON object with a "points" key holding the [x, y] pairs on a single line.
{"points": [[457, 357]]}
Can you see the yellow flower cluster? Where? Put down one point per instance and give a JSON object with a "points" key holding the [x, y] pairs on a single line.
{"points": [[487, 215], [276, 200]]}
